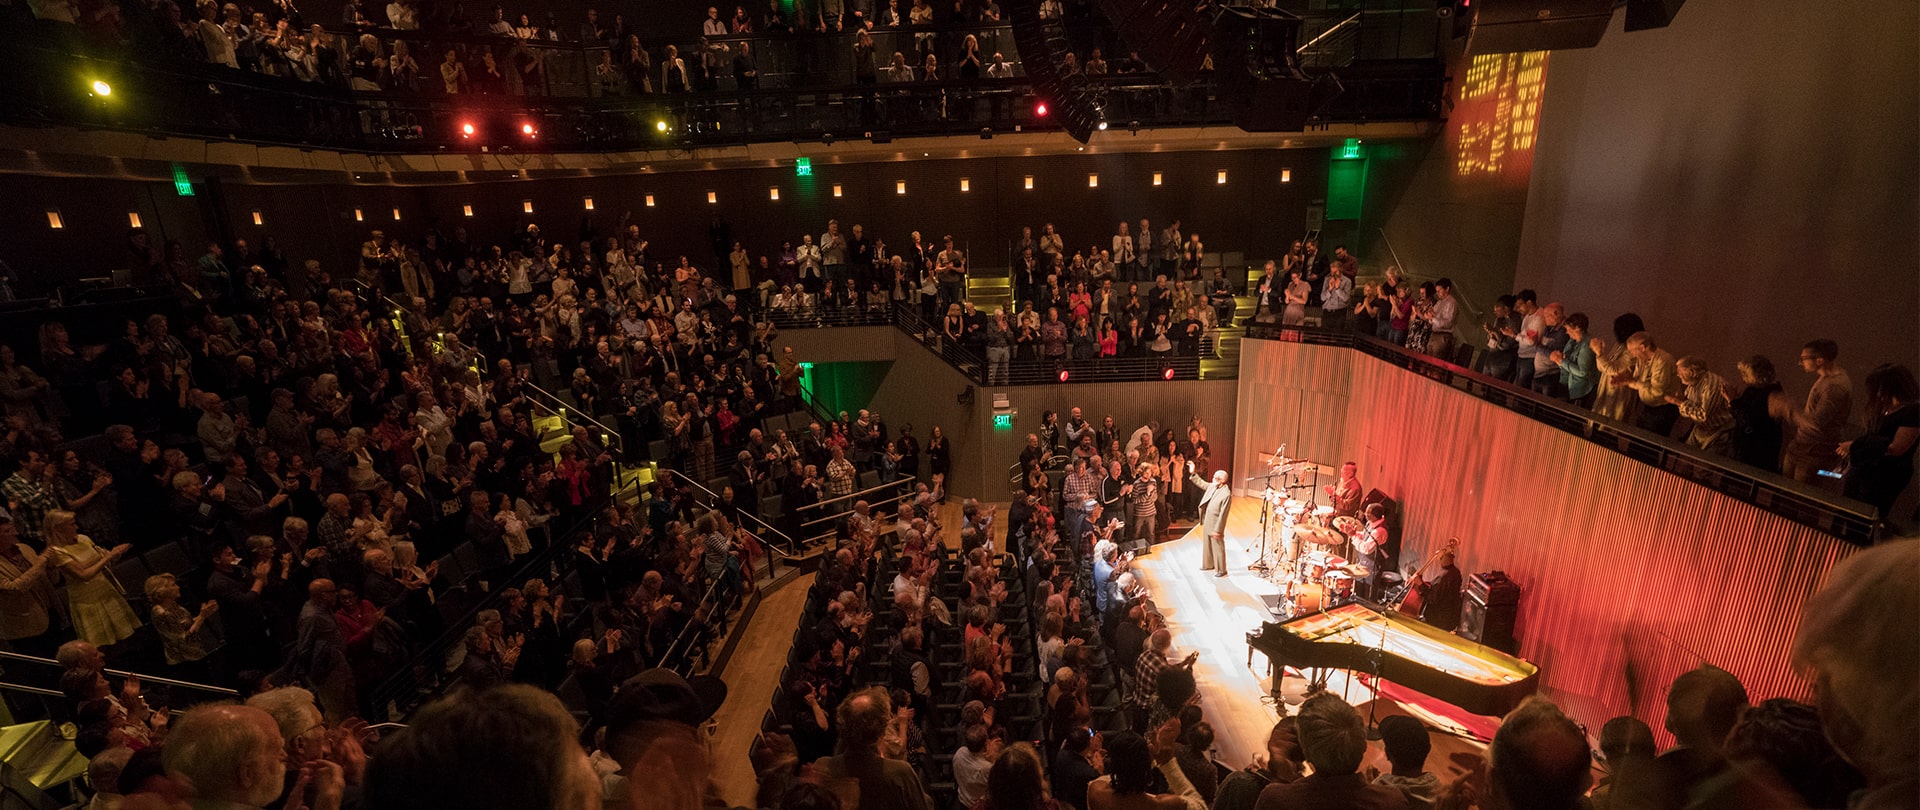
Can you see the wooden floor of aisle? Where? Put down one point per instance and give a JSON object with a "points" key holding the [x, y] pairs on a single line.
{"points": [[752, 673]]}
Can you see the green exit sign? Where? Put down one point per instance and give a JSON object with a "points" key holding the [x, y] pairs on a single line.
{"points": [[803, 167], [1351, 149], [182, 184], [1003, 421]]}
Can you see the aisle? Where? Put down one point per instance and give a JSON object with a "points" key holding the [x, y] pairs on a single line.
{"points": [[751, 675]]}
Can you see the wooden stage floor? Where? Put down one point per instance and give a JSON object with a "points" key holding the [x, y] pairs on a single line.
{"points": [[1213, 616]]}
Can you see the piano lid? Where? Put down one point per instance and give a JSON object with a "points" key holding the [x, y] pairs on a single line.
{"points": [[1467, 674]]}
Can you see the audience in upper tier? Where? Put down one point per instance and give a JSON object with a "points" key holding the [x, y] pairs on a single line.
{"points": [[442, 48]]}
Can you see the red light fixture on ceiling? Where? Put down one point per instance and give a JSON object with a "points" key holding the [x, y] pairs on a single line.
{"points": [[467, 130], [1040, 110], [528, 130]]}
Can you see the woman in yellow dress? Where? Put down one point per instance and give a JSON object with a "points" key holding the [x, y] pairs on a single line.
{"points": [[100, 613]]}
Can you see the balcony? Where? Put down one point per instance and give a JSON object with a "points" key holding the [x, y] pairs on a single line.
{"points": [[574, 96]]}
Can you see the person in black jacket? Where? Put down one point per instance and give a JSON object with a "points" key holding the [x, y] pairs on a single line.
{"points": [[488, 538]]}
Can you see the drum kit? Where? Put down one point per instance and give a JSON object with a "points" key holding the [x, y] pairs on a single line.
{"points": [[1307, 564]]}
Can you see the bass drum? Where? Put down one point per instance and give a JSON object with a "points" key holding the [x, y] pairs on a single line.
{"points": [[1306, 597]]}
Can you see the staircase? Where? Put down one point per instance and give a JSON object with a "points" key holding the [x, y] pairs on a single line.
{"points": [[991, 287]]}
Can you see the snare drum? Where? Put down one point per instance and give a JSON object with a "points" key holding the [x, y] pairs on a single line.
{"points": [[1315, 566], [1340, 584]]}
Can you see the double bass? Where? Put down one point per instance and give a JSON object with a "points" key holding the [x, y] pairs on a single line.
{"points": [[1412, 598]]}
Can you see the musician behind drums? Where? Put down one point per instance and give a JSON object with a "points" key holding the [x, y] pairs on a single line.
{"points": [[1346, 492], [1440, 598], [1370, 549]]}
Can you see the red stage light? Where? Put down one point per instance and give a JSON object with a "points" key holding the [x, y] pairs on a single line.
{"points": [[527, 130], [1167, 374], [1063, 375], [1040, 109], [466, 130]]}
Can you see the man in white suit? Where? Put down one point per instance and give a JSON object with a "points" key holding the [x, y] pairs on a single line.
{"points": [[1214, 504]]}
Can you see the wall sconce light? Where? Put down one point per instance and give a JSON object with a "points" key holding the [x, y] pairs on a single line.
{"points": [[133, 219], [836, 190], [712, 198], [526, 206], [587, 203], [1286, 175], [257, 220], [649, 200], [1156, 178], [1029, 182], [965, 186], [358, 217], [773, 193], [54, 221], [466, 210], [1221, 177], [396, 215], [899, 186], [1093, 181]]}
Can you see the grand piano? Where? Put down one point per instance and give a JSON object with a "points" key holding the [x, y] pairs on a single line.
{"points": [[1474, 677]]}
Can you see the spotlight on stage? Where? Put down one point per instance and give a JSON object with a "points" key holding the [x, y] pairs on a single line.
{"points": [[102, 89], [467, 129]]}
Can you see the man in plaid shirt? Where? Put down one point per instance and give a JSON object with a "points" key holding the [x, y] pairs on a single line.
{"points": [[27, 498], [840, 475], [1080, 486]]}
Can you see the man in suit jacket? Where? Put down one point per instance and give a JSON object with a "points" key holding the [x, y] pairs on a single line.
{"points": [[26, 594], [1214, 504]]}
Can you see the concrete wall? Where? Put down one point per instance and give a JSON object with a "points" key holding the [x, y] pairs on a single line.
{"points": [[1743, 179], [922, 390]]}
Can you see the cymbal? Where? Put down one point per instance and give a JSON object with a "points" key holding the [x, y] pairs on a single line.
{"points": [[1319, 536], [1353, 570], [1347, 525]]}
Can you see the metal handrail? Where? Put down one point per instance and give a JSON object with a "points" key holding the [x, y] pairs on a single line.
{"points": [[221, 690], [1459, 292], [1844, 518], [851, 495], [793, 547], [1353, 20]]}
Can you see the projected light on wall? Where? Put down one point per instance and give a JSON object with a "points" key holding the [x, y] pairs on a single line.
{"points": [[1496, 118]]}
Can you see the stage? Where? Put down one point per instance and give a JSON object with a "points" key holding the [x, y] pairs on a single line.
{"points": [[1213, 616]]}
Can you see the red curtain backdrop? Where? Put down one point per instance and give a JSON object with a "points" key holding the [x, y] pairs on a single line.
{"points": [[1631, 575]]}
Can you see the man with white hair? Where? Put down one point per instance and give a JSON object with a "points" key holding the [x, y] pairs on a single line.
{"points": [[233, 757], [1214, 505]]}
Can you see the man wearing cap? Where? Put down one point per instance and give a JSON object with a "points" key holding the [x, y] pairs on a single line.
{"points": [[857, 772], [653, 732]]}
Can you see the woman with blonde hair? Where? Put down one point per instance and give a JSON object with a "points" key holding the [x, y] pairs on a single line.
{"points": [[99, 612], [181, 630]]}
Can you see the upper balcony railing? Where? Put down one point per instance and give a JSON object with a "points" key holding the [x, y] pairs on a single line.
{"points": [[588, 96], [1818, 509]]}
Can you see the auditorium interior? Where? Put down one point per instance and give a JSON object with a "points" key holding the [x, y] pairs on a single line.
{"points": [[959, 405]]}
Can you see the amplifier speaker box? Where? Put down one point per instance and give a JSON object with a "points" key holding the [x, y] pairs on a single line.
{"points": [[1512, 26], [1492, 606]]}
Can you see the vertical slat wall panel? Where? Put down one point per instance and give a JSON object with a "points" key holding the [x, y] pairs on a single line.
{"points": [[1631, 575]]}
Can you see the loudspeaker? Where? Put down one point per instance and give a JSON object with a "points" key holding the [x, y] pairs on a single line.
{"points": [[1257, 65], [1511, 26], [1492, 607], [1645, 14]]}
